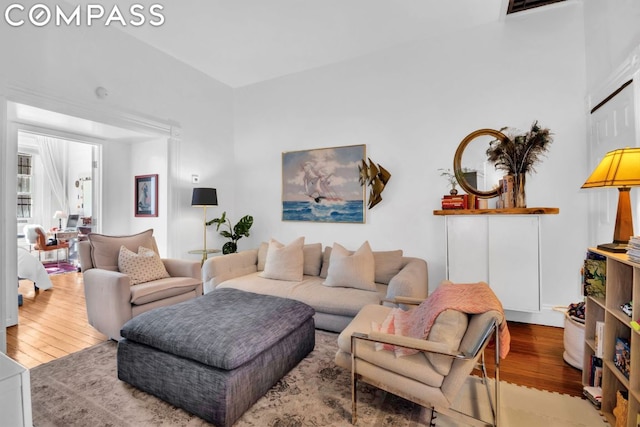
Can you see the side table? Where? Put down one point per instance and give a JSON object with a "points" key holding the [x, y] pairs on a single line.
{"points": [[15, 393], [204, 253]]}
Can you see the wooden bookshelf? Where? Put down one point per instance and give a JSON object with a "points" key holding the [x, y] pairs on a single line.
{"points": [[622, 286]]}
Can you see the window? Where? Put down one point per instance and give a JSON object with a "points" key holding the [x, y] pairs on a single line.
{"points": [[24, 185]]}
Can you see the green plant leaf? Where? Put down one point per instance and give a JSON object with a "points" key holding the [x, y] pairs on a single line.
{"points": [[241, 229], [229, 248], [243, 226]]}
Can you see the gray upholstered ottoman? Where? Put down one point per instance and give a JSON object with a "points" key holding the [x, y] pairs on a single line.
{"points": [[215, 356]]}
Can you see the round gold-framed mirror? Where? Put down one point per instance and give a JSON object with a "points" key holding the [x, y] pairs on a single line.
{"points": [[475, 163]]}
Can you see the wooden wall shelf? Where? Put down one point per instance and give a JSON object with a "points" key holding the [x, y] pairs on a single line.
{"points": [[509, 211]]}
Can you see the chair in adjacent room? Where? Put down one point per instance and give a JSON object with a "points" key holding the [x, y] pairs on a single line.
{"points": [[430, 372], [36, 236], [124, 276]]}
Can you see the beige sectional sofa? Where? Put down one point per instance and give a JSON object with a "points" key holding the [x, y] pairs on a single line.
{"points": [[335, 301]]}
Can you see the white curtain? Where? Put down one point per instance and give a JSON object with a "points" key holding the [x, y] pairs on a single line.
{"points": [[53, 153]]}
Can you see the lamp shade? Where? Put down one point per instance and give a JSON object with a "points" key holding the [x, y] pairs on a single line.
{"points": [[618, 168], [60, 215], [204, 197]]}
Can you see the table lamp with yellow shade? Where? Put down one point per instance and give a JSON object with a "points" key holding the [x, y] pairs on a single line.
{"points": [[619, 168]]}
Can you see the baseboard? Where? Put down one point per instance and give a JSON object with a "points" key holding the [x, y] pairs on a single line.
{"points": [[547, 316]]}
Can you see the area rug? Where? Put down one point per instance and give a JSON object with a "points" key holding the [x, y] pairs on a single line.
{"points": [[82, 389], [59, 268]]}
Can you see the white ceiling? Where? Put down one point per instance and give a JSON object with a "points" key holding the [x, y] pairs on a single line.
{"points": [[240, 42]]}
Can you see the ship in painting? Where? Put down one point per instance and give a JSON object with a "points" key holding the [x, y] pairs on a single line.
{"points": [[317, 184]]}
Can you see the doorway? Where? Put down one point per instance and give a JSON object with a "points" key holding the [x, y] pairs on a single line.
{"points": [[57, 174], [115, 131]]}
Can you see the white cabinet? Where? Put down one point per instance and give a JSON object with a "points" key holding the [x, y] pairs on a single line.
{"points": [[500, 249], [15, 393]]}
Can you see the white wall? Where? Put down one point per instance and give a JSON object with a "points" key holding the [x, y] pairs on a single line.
{"points": [[79, 167], [151, 158], [412, 105], [612, 32]]}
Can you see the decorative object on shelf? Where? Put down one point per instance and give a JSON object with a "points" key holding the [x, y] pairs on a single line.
{"points": [[627, 308], [202, 198], [146, 195], [376, 177], [322, 185], [518, 154], [234, 234], [594, 275], [618, 168], [59, 215], [451, 179], [479, 184], [621, 411], [622, 356]]}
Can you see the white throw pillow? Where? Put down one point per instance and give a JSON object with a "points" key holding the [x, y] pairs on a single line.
{"points": [[141, 267], [348, 270], [284, 262]]}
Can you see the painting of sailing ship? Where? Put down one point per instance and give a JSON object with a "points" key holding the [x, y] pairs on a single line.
{"points": [[322, 185]]}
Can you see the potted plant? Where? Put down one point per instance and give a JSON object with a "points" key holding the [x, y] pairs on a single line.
{"points": [[469, 175], [241, 229], [451, 179], [518, 154]]}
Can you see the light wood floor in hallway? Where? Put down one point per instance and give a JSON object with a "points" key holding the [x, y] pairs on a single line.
{"points": [[53, 323]]}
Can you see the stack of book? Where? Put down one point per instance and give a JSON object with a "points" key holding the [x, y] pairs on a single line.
{"points": [[457, 201], [594, 394], [634, 249]]}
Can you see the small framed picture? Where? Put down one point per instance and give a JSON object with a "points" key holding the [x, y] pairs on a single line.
{"points": [[146, 201]]}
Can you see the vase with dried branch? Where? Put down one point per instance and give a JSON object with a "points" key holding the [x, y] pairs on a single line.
{"points": [[518, 154]]}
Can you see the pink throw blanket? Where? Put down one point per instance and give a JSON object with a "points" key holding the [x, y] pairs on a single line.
{"points": [[471, 298]]}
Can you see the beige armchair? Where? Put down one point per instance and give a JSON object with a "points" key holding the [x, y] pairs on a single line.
{"points": [[433, 376], [112, 299]]}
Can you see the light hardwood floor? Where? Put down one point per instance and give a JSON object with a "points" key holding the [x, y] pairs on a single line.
{"points": [[53, 323]]}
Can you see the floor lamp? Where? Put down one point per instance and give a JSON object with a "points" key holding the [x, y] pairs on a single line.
{"points": [[203, 197], [619, 168]]}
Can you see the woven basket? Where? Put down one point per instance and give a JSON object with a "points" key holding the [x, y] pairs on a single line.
{"points": [[573, 342]]}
